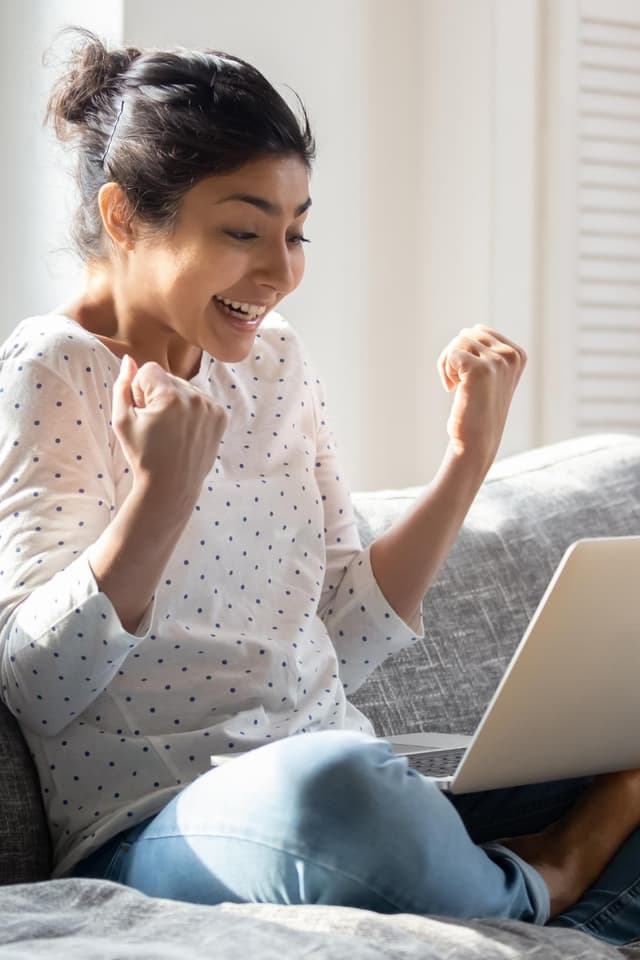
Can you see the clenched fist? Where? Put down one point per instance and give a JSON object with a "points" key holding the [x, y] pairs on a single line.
{"points": [[484, 368], [169, 431]]}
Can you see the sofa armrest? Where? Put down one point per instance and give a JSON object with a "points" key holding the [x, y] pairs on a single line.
{"points": [[528, 511]]}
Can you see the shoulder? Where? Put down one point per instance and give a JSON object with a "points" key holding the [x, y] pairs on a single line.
{"points": [[57, 348]]}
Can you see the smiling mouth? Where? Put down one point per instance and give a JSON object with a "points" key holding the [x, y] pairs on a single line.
{"points": [[244, 311], [241, 321]]}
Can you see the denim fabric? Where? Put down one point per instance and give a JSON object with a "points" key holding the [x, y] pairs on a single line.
{"points": [[332, 817], [610, 909], [337, 818]]}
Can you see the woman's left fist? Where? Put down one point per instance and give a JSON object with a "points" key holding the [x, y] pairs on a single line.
{"points": [[484, 368]]}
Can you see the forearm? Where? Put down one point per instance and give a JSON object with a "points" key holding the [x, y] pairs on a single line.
{"points": [[129, 556], [406, 558]]}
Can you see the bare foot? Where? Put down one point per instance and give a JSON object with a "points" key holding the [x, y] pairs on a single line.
{"points": [[571, 853]]}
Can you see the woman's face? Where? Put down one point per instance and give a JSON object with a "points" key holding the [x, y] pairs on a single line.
{"points": [[238, 237]]}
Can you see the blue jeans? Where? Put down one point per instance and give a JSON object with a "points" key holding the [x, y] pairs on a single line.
{"points": [[335, 817]]}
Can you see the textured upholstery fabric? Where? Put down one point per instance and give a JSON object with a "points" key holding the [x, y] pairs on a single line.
{"points": [[25, 851], [83, 919], [528, 511], [530, 508]]}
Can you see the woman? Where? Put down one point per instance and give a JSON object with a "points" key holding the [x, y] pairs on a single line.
{"points": [[182, 572]]}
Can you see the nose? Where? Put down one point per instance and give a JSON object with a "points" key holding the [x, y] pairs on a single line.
{"points": [[276, 268]]}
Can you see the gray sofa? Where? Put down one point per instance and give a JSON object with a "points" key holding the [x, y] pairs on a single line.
{"points": [[529, 509]]}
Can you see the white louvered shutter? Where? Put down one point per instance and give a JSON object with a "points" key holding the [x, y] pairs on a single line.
{"points": [[592, 219], [608, 246]]}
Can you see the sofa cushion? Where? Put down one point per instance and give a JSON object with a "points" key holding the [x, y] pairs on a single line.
{"points": [[25, 847], [79, 918], [528, 511]]}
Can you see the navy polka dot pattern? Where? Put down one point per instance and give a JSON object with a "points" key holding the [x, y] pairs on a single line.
{"points": [[265, 618]]}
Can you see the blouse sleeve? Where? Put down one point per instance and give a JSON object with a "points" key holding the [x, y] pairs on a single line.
{"points": [[61, 640], [363, 627]]}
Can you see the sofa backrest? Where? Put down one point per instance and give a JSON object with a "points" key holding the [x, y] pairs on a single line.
{"points": [[530, 509]]}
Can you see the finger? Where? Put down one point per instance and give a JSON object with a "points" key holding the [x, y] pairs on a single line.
{"points": [[149, 382], [447, 374], [122, 397], [441, 367], [448, 369], [499, 340], [462, 346], [152, 380], [481, 340], [460, 362], [137, 392], [494, 347]]}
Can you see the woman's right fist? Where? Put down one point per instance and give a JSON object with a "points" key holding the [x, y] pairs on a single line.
{"points": [[169, 431]]}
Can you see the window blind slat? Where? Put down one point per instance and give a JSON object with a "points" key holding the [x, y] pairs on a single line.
{"points": [[607, 318]]}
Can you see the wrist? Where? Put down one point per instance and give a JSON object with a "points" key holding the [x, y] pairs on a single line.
{"points": [[474, 459], [158, 498]]}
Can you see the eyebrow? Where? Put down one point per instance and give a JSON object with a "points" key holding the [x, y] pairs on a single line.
{"points": [[265, 205]]}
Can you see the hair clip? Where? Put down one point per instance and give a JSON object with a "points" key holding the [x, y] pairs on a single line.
{"points": [[113, 132]]}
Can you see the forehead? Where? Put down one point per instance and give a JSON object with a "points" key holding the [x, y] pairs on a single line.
{"points": [[282, 182]]}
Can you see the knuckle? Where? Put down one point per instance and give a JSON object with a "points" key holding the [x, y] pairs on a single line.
{"points": [[517, 357], [153, 367], [171, 397], [153, 364], [197, 400]]}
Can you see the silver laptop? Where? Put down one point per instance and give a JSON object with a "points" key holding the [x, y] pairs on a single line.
{"points": [[569, 702]]}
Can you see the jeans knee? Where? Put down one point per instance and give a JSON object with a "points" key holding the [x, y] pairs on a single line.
{"points": [[344, 785]]}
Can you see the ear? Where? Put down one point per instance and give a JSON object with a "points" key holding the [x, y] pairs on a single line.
{"points": [[116, 214]]}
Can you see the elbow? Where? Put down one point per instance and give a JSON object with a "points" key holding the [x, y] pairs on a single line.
{"points": [[25, 709], [28, 722]]}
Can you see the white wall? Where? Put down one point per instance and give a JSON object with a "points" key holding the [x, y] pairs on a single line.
{"points": [[37, 195], [410, 223], [478, 197], [455, 199]]}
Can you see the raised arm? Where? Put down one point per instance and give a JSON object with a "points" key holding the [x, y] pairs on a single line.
{"points": [[484, 368], [170, 433], [77, 586]]}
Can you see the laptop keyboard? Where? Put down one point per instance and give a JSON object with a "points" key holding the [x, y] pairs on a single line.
{"points": [[442, 763]]}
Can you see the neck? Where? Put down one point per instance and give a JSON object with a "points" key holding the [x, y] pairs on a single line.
{"points": [[104, 311]]}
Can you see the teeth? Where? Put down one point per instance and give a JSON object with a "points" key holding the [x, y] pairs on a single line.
{"points": [[251, 309]]}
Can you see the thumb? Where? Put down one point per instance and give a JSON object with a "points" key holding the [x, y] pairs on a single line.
{"points": [[123, 401], [443, 371]]}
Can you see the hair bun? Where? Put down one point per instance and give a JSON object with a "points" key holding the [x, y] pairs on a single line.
{"points": [[86, 87]]}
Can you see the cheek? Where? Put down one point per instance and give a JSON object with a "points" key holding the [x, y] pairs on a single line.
{"points": [[168, 273], [213, 272]]}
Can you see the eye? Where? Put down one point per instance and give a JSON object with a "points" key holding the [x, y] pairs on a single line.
{"points": [[297, 239], [241, 236]]}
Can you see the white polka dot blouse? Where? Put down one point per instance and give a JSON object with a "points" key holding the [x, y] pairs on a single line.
{"points": [[265, 618]]}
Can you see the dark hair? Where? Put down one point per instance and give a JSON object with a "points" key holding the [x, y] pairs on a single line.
{"points": [[157, 122]]}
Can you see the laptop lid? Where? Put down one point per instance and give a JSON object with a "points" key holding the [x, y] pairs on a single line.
{"points": [[569, 702]]}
